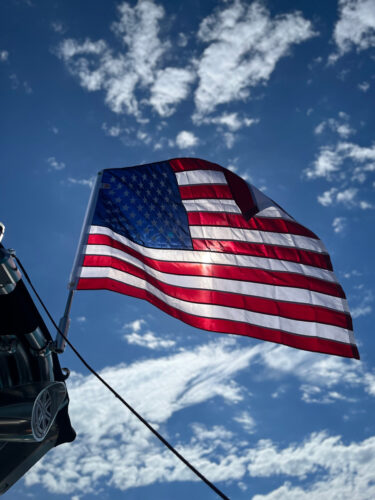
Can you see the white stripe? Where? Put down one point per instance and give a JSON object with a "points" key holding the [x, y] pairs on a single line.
{"points": [[200, 177], [214, 205], [282, 293], [255, 236], [305, 328], [274, 212], [218, 258]]}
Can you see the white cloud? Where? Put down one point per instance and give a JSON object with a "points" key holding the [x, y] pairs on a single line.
{"points": [[339, 224], [350, 274], [149, 340], [114, 448], [139, 29], [370, 382], [247, 421], [4, 55], [144, 136], [347, 196], [355, 28], [124, 77], [112, 130], [171, 86], [54, 164], [320, 370], [244, 46], [343, 129], [216, 433], [186, 140], [17, 84], [82, 182], [232, 121], [182, 40], [345, 470], [319, 129], [327, 198], [365, 306], [364, 86], [81, 319], [349, 166], [340, 126], [135, 325], [327, 162], [365, 205], [98, 68], [55, 130], [314, 394], [58, 27]]}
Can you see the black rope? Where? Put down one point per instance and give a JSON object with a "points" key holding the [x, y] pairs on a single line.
{"points": [[149, 426]]}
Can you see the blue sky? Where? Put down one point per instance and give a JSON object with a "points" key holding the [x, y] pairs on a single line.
{"points": [[281, 92]]}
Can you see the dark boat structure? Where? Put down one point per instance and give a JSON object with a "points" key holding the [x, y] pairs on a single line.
{"points": [[33, 396]]}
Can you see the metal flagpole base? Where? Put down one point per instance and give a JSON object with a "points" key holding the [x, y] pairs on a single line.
{"points": [[64, 324]]}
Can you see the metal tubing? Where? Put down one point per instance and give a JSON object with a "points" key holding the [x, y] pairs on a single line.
{"points": [[82, 239], [64, 324]]}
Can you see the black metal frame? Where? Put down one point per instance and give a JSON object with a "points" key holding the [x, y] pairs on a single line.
{"points": [[31, 382]]}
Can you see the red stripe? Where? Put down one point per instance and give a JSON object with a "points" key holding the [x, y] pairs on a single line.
{"points": [[197, 191], [225, 326], [261, 250], [291, 310], [239, 188], [237, 220], [182, 164], [225, 271]]}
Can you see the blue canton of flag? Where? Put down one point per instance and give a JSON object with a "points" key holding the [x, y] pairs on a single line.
{"points": [[144, 204]]}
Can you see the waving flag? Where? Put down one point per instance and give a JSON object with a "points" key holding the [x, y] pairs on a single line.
{"points": [[198, 242]]}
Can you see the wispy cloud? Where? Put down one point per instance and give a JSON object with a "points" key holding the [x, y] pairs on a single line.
{"points": [[58, 27], [16, 84], [4, 55], [241, 46], [364, 86], [121, 75], [171, 86], [339, 224], [82, 182], [114, 449], [247, 421], [364, 307], [54, 164], [338, 125], [244, 46], [186, 140], [315, 394], [343, 471], [349, 166], [229, 121], [112, 130], [147, 338], [355, 28]]}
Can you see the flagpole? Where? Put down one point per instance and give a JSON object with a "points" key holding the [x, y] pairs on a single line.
{"points": [[64, 323]]}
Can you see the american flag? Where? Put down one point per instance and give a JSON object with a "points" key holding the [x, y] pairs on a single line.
{"points": [[198, 242]]}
